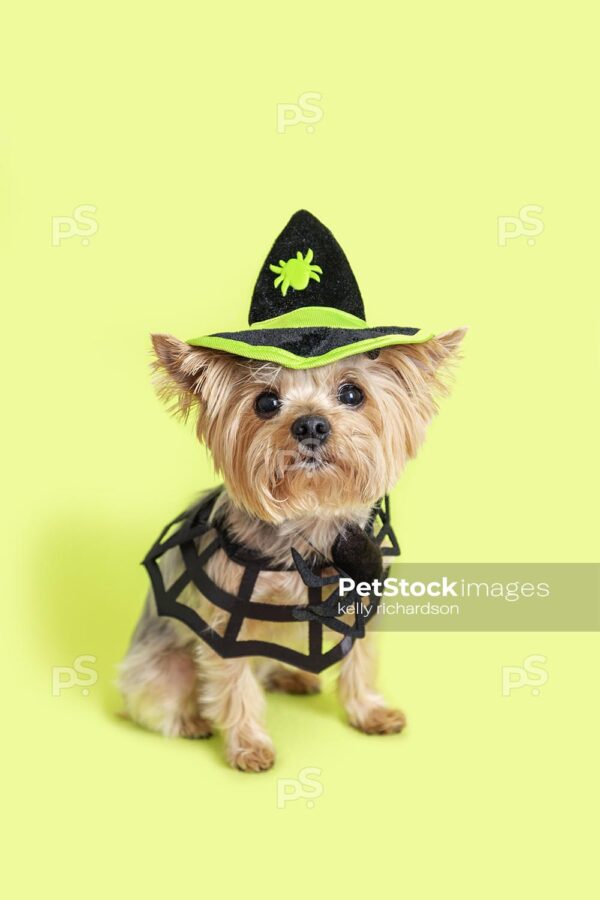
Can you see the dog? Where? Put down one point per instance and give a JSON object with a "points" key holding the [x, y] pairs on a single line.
{"points": [[304, 455]]}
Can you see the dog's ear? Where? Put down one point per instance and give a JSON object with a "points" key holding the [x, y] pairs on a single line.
{"points": [[181, 372], [451, 340], [181, 362], [433, 355], [425, 365], [416, 374]]}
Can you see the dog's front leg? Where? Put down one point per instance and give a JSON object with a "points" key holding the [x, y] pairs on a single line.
{"points": [[367, 710], [232, 698]]}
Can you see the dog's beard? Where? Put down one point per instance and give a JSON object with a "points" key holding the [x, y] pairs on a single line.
{"points": [[309, 456], [294, 481], [276, 478]]}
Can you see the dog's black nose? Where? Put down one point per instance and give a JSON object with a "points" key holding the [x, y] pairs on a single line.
{"points": [[311, 428]]}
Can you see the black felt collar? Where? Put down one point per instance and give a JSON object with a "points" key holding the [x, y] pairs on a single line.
{"points": [[318, 614]]}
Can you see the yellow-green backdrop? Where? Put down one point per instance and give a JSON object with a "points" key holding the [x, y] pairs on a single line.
{"points": [[433, 121]]}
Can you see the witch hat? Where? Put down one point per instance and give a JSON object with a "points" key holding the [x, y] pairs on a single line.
{"points": [[306, 309]]}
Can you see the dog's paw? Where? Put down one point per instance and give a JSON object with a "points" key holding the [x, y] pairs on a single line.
{"points": [[381, 720], [292, 681], [194, 727], [252, 757]]}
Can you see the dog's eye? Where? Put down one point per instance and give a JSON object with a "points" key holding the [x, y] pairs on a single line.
{"points": [[350, 395], [267, 404]]}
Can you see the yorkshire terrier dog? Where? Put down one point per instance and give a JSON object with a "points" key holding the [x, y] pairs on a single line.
{"points": [[310, 416], [368, 417]]}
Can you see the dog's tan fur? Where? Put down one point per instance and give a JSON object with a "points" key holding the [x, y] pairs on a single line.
{"points": [[276, 497]]}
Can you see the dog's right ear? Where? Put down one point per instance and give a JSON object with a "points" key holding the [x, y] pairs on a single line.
{"points": [[180, 370], [182, 362], [193, 378]]}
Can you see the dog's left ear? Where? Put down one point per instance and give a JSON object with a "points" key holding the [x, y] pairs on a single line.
{"points": [[451, 340], [427, 362], [422, 368], [432, 355]]}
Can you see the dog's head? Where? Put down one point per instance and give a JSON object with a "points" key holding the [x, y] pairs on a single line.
{"points": [[293, 443]]}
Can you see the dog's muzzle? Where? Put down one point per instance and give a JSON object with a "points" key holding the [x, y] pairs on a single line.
{"points": [[311, 431]]}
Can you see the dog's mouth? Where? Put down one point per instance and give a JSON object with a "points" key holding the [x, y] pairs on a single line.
{"points": [[311, 455], [308, 458], [312, 462]]}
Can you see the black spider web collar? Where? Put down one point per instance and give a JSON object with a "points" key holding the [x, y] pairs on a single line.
{"points": [[319, 614]]}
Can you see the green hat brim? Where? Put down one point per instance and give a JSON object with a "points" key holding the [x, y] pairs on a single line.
{"points": [[309, 337]]}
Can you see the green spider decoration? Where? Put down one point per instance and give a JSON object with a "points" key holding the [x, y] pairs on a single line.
{"points": [[296, 272]]}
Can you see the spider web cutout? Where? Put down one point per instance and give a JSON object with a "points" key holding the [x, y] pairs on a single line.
{"points": [[318, 614]]}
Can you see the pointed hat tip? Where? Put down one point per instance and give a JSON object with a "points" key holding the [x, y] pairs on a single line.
{"points": [[305, 215]]}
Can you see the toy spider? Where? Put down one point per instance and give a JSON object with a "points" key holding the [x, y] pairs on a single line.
{"points": [[296, 272]]}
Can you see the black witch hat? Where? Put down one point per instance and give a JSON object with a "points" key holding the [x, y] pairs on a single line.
{"points": [[306, 309]]}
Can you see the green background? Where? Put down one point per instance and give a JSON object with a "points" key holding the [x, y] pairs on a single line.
{"points": [[436, 120]]}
